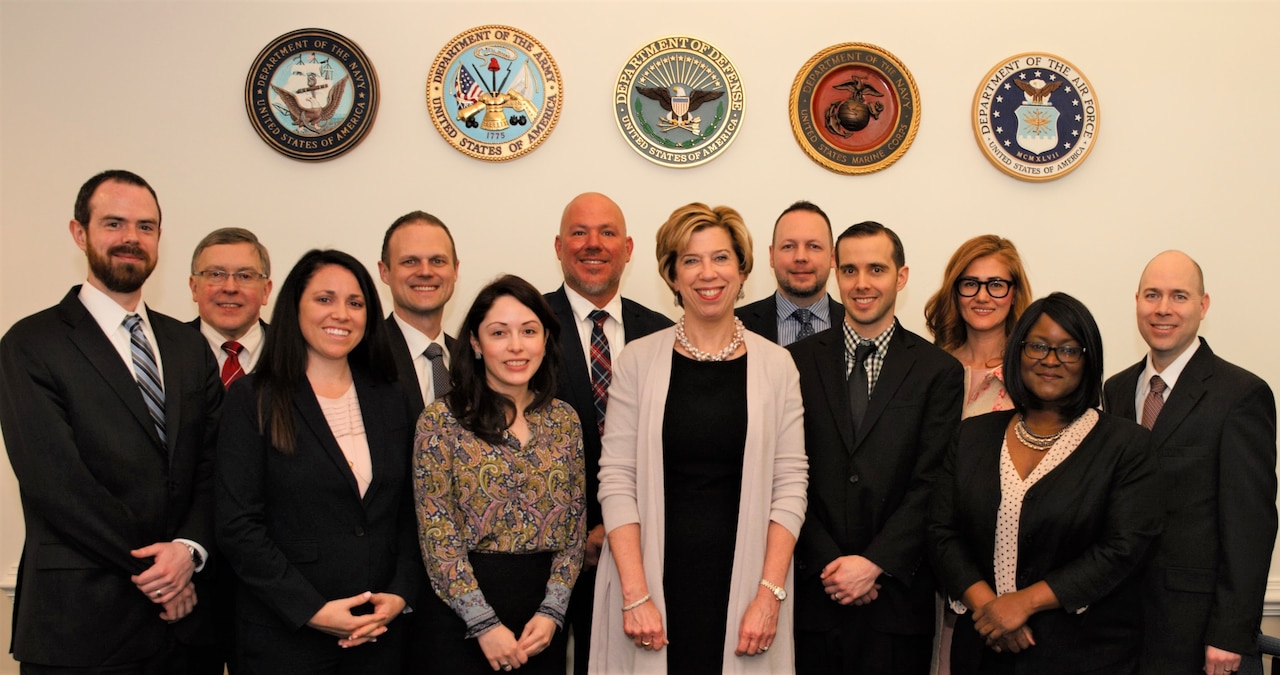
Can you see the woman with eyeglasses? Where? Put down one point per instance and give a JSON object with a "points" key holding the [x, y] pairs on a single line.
{"points": [[1044, 512]]}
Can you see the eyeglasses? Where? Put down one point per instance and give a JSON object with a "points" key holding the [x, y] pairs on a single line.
{"points": [[997, 288], [242, 278], [1040, 351]]}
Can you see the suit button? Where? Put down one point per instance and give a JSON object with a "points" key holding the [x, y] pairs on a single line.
{"points": [[359, 531], [853, 479]]}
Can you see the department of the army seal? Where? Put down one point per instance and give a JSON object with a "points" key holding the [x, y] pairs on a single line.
{"points": [[494, 93], [679, 101], [312, 94], [1035, 116], [854, 108]]}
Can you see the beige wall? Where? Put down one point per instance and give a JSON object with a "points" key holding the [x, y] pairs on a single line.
{"points": [[1185, 158]]}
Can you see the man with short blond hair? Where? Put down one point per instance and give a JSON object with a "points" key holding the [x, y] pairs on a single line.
{"points": [[230, 283]]}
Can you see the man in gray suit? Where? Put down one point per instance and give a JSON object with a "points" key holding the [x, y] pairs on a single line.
{"points": [[1213, 427], [802, 257]]}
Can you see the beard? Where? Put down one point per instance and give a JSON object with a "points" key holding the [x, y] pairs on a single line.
{"points": [[798, 291], [120, 277]]}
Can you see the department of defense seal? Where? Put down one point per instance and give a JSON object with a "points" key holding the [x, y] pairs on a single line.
{"points": [[312, 94], [494, 93], [854, 108], [1035, 116], [679, 101]]}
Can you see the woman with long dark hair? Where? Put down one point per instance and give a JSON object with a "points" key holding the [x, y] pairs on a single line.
{"points": [[499, 486], [312, 482]]}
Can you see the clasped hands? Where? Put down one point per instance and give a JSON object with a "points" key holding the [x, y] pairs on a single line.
{"points": [[168, 581], [851, 579], [1002, 622], [505, 652], [335, 617]]}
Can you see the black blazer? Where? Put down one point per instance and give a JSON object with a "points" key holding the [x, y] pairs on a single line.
{"points": [[1215, 443], [97, 482], [574, 382], [1085, 529], [868, 494], [406, 374], [761, 316], [295, 527]]}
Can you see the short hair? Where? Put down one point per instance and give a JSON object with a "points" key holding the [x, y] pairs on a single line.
{"points": [[415, 217], [802, 205], [942, 311], [870, 228], [674, 236], [81, 209], [1075, 319], [283, 365], [232, 235], [478, 408]]}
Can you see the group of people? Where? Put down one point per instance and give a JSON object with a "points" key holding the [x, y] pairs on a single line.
{"points": [[787, 486]]}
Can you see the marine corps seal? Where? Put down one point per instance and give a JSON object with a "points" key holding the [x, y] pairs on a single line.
{"points": [[854, 108], [1035, 116], [311, 94], [679, 101], [494, 93]]}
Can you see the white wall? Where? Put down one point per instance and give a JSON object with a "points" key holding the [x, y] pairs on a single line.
{"points": [[1185, 156]]}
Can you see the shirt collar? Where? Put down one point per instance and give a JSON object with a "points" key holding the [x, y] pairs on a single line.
{"points": [[821, 309], [881, 341], [1171, 372], [417, 341], [581, 306], [107, 312], [251, 341]]}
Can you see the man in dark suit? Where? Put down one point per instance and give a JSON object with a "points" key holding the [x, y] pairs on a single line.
{"points": [[230, 284], [109, 413], [801, 257], [881, 405], [420, 264], [593, 248], [1213, 428]]}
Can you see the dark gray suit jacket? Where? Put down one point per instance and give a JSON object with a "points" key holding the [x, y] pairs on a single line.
{"points": [[761, 316], [97, 482], [1215, 441]]}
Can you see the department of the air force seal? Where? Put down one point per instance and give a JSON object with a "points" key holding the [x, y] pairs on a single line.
{"points": [[312, 94], [854, 108], [679, 101], [494, 93], [1035, 116]]}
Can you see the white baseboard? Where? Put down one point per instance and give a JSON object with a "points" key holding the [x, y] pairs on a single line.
{"points": [[9, 581]]}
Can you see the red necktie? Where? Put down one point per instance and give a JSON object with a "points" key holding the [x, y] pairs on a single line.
{"points": [[231, 370], [601, 365], [1154, 402]]}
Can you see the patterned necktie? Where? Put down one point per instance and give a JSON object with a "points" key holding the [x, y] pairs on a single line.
{"points": [[439, 374], [859, 384], [601, 365], [805, 317], [148, 373], [231, 369], [1154, 403]]}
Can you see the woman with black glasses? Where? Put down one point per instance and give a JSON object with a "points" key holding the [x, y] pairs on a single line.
{"points": [[1044, 512]]}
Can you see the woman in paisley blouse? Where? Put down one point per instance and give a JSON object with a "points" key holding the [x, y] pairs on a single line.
{"points": [[499, 486]]}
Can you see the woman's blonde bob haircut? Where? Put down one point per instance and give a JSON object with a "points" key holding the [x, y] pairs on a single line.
{"points": [[673, 237]]}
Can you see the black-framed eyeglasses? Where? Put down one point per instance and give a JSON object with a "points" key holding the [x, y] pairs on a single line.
{"points": [[242, 277], [997, 288], [1040, 351]]}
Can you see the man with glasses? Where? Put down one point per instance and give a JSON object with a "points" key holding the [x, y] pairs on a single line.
{"points": [[1213, 428], [881, 404], [230, 284]]}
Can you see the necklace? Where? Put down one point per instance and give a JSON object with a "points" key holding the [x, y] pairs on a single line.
{"points": [[721, 355], [1033, 440]]}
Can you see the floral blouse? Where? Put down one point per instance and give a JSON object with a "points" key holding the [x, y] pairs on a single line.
{"points": [[473, 496], [984, 391]]}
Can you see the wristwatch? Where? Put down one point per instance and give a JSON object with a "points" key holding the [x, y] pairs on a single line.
{"points": [[196, 558], [778, 592]]}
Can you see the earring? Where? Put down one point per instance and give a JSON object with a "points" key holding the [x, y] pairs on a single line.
{"points": [[742, 292], [477, 356]]}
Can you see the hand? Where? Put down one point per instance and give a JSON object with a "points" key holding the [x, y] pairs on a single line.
{"points": [[180, 605], [335, 618], [500, 647], [1015, 641], [759, 624], [386, 607], [537, 634], [595, 542], [644, 626], [851, 578], [1003, 615], [1219, 661], [170, 571]]}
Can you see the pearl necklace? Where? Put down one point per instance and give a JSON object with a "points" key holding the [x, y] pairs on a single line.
{"points": [[1033, 440], [721, 355]]}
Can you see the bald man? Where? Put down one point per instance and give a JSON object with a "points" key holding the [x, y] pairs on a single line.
{"points": [[1214, 430]]}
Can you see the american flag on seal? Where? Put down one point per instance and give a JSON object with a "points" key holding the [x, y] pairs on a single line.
{"points": [[465, 89]]}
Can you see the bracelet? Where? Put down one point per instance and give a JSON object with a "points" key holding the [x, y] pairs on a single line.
{"points": [[637, 603]]}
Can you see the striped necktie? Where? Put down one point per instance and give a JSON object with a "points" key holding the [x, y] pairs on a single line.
{"points": [[232, 370], [147, 372], [1154, 402], [601, 365]]}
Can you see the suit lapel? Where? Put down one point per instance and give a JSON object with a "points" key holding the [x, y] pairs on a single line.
{"points": [[1126, 388], [767, 318], [578, 381], [893, 372], [404, 363], [173, 374], [314, 421], [830, 367], [1185, 396], [382, 452]]}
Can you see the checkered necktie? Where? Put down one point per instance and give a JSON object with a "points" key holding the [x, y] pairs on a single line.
{"points": [[601, 365], [805, 317], [1154, 403], [231, 369], [148, 373]]}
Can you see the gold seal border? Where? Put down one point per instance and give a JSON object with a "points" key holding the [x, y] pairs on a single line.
{"points": [[555, 88], [798, 130], [736, 117], [1054, 173]]}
